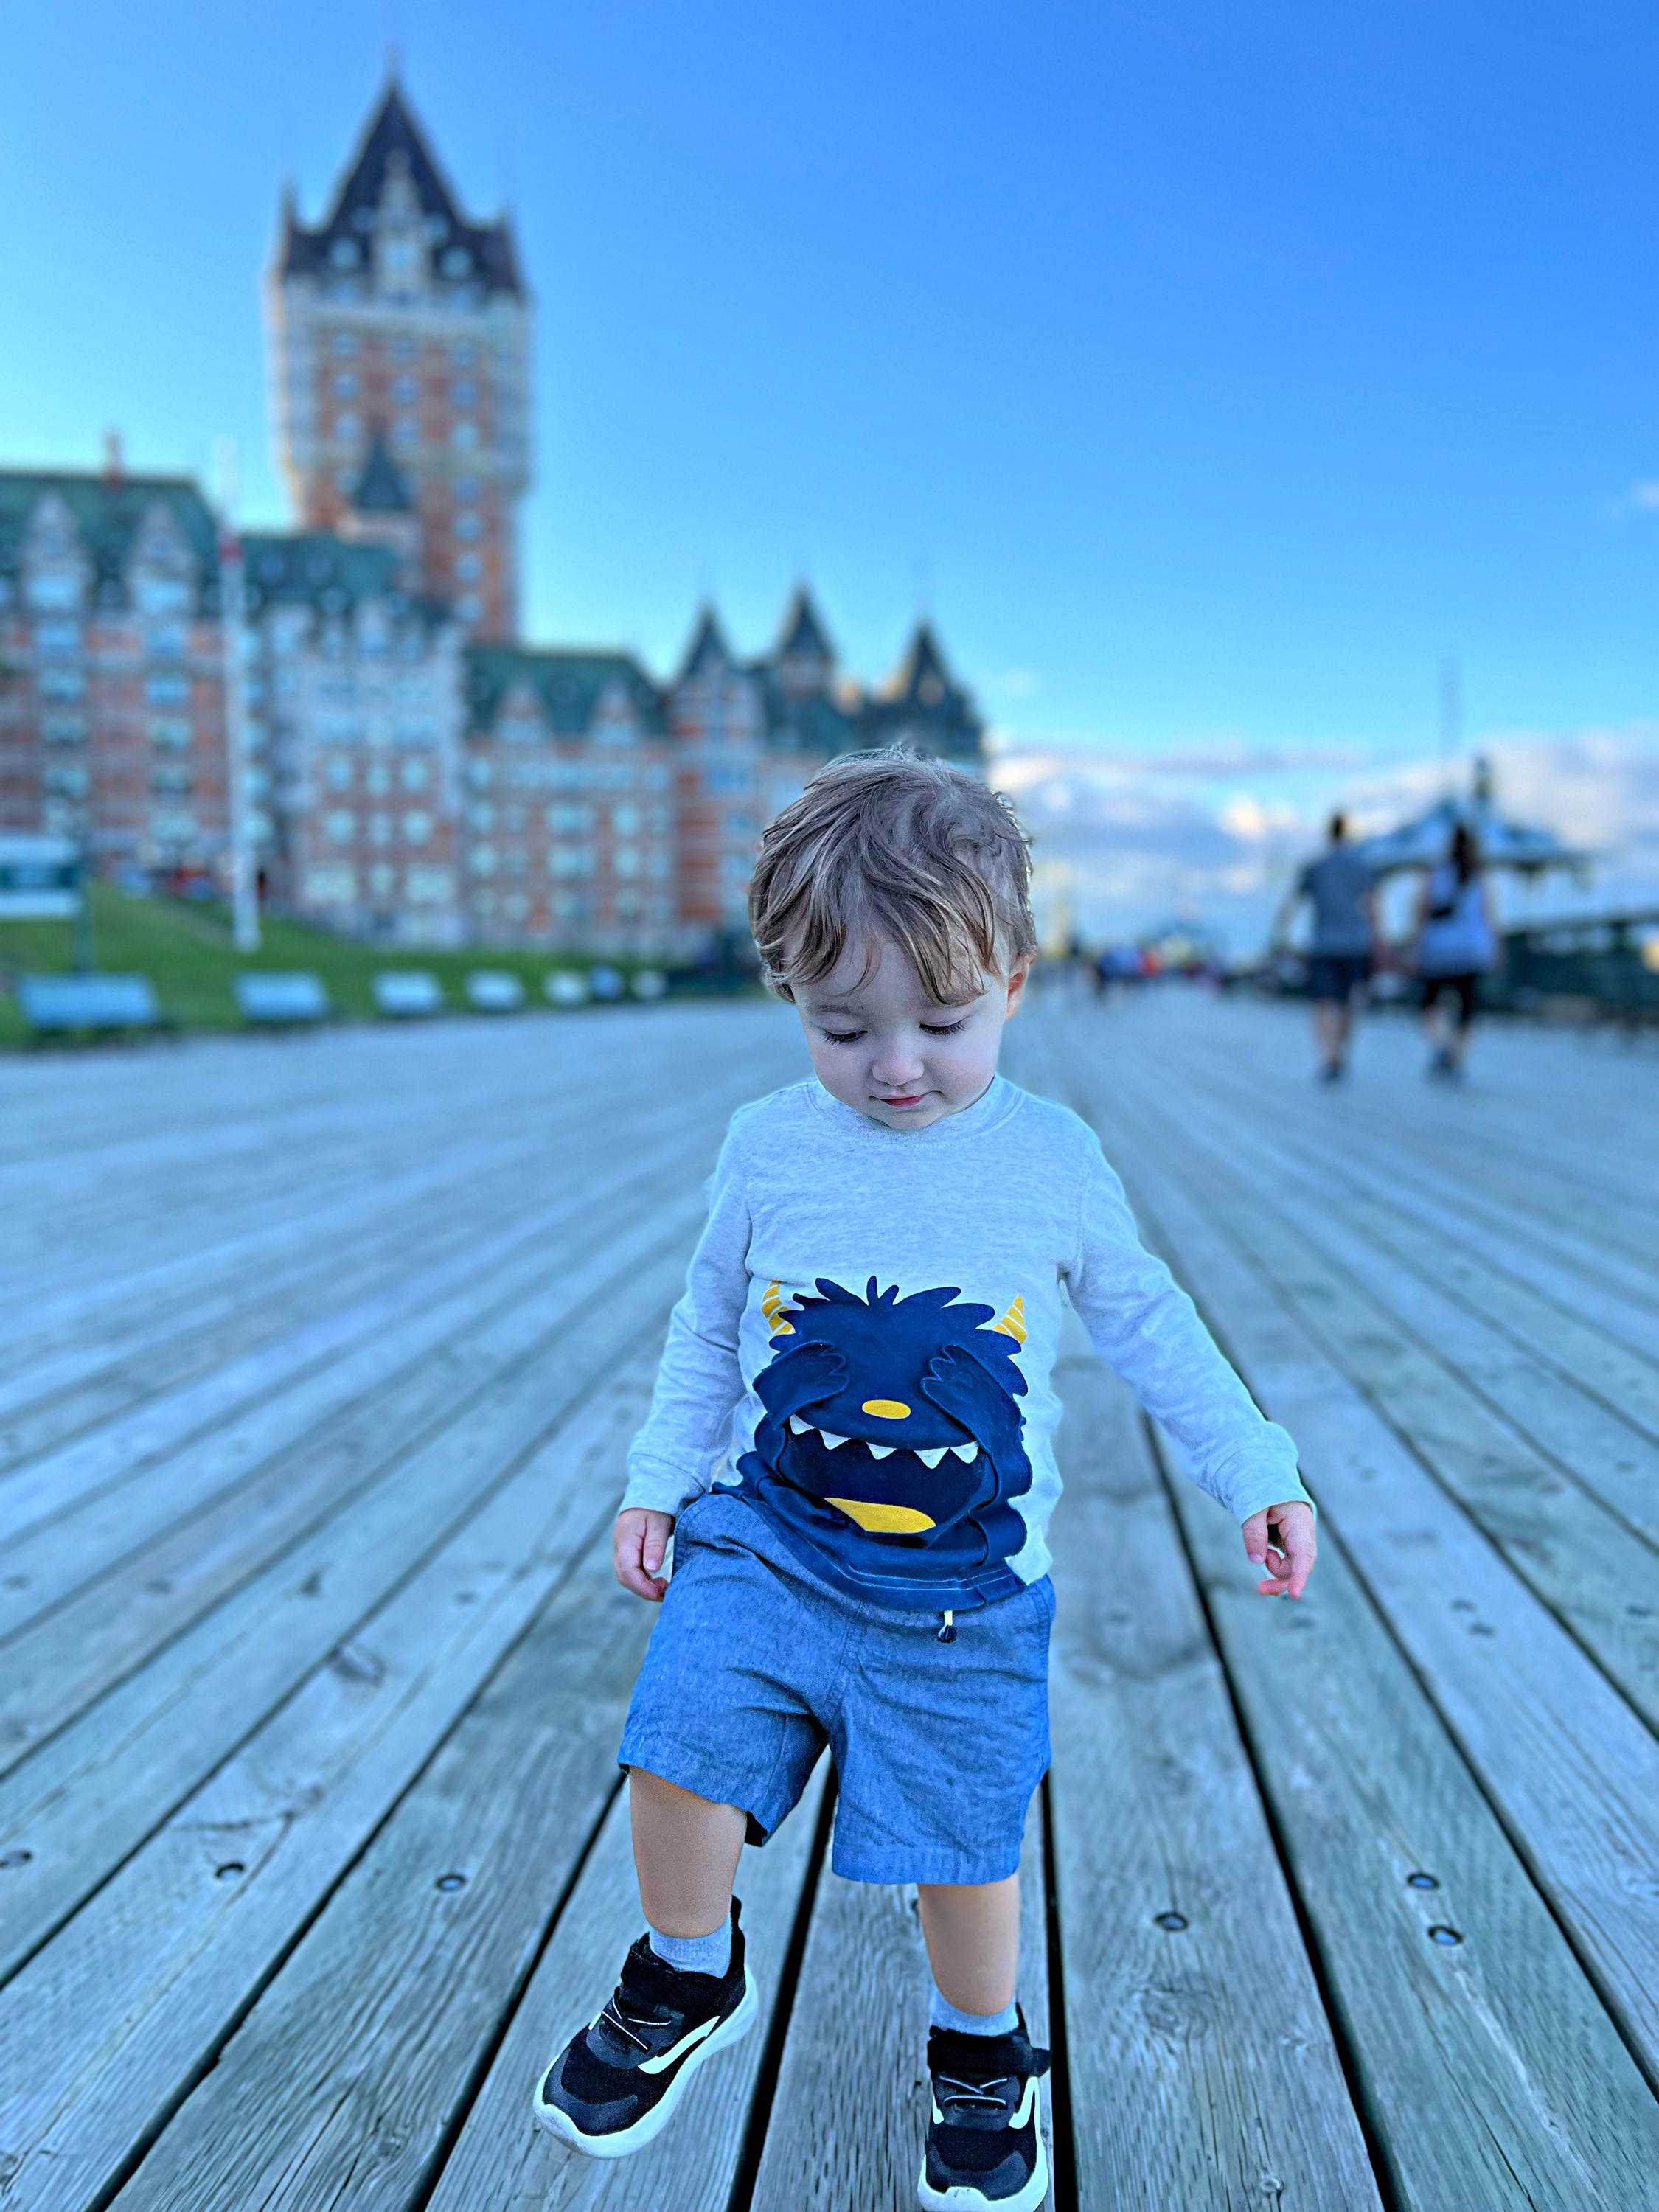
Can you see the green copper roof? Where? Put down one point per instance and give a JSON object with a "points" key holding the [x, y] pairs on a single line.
{"points": [[107, 512], [380, 490], [566, 687]]}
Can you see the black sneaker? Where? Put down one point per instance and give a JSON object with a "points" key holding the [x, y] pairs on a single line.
{"points": [[617, 2082], [984, 2138]]}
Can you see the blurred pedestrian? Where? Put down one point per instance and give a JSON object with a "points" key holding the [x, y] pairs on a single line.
{"points": [[1341, 890], [1456, 943]]}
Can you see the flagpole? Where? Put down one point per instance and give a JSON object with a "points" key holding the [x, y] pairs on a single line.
{"points": [[244, 882]]}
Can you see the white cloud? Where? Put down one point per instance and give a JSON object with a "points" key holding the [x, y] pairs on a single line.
{"points": [[1646, 493], [1215, 833]]}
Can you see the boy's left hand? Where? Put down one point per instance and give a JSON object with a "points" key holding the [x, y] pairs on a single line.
{"points": [[1281, 1538]]}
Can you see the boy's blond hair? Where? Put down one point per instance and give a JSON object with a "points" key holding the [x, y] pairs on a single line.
{"points": [[887, 845]]}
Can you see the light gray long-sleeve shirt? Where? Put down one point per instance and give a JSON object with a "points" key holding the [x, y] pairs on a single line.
{"points": [[868, 1331]]}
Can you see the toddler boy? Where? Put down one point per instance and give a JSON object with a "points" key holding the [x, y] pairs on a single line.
{"points": [[850, 1443]]}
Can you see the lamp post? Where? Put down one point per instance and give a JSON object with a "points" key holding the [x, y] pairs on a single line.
{"points": [[244, 881]]}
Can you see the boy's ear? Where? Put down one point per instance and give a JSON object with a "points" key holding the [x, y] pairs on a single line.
{"points": [[1018, 978]]}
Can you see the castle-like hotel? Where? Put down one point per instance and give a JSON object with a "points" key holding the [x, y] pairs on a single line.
{"points": [[414, 772]]}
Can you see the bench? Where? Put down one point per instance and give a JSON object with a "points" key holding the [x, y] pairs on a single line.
{"points": [[403, 993], [281, 998], [63, 1003], [495, 991]]}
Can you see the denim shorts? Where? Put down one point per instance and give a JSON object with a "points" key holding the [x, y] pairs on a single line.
{"points": [[754, 1666]]}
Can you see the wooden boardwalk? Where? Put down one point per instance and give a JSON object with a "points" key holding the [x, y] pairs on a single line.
{"points": [[320, 1358]]}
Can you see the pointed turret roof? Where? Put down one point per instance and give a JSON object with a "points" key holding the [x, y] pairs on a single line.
{"points": [[460, 250], [921, 676], [803, 633], [708, 652], [380, 490]]}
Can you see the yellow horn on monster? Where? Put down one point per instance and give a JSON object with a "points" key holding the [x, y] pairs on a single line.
{"points": [[773, 1305], [1013, 1322]]}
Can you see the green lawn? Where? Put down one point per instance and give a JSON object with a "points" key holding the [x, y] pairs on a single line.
{"points": [[186, 951]]}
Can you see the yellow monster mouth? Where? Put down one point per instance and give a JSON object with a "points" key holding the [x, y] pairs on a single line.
{"points": [[883, 1520]]}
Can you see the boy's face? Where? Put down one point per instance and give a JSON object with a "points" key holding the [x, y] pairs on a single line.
{"points": [[880, 1043]]}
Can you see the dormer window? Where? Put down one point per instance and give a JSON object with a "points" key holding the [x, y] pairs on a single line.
{"points": [[53, 591], [342, 254], [458, 261]]}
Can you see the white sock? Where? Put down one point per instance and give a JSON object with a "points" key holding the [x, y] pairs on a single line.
{"points": [[941, 2013], [696, 1954]]}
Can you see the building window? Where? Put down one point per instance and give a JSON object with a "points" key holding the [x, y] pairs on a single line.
{"points": [[406, 431], [625, 821], [481, 859], [165, 690], [382, 880], [481, 815], [403, 350], [345, 385], [416, 774], [379, 778], [468, 525], [464, 435], [172, 731], [405, 390], [464, 394], [570, 906], [625, 859], [345, 342], [173, 781], [63, 729], [458, 261], [569, 820], [165, 641], [346, 429], [340, 825], [379, 828], [515, 861], [572, 861], [467, 568], [339, 773], [478, 774], [469, 607], [417, 826], [62, 682], [461, 353], [343, 253], [466, 489]]}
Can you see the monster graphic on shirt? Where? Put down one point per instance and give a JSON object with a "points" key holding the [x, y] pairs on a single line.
{"points": [[891, 1443]]}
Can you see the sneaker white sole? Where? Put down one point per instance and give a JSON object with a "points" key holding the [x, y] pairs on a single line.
{"points": [[964, 2199], [625, 2140]]}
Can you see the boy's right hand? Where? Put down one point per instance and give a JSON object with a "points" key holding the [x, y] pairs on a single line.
{"points": [[638, 1543]]}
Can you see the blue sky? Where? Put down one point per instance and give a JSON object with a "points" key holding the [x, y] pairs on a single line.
{"points": [[1211, 372]]}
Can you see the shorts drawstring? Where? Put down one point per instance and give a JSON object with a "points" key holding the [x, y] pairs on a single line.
{"points": [[948, 1633]]}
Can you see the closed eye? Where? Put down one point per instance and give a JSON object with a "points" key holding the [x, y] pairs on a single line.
{"points": [[942, 1029], [843, 1036]]}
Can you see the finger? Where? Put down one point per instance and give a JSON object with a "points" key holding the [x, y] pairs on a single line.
{"points": [[633, 1578], [1304, 1548]]}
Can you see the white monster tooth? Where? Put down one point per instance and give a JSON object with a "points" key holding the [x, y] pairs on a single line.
{"points": [[831, 1441], [882, 1451], [802, 1428], [932, 1458], [968, 1453]]}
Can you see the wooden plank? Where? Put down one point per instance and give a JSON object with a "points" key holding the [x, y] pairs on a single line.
{"points": [[1577, 1433], [318, 1348], [176, 1500], [504, 2159], [1573, 1772], [1492, 2076], [359, 2058], [59, 1664], [1567, 1547], [849, 2114], [120, 2014], [1203, 2070], [84, 1802]]}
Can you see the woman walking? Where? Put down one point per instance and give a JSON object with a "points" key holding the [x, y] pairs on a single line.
{"points": [[1456, 943]]}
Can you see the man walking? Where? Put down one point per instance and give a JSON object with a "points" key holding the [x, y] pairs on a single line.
{"points": [[1341, 890]]}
